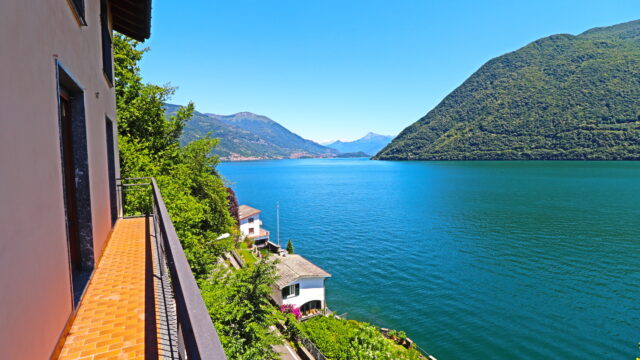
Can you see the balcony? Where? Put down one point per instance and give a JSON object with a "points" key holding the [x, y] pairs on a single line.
{"points": [[142, 300]]}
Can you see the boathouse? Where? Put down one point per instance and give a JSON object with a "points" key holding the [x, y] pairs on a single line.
{"points": [[300, 283]]}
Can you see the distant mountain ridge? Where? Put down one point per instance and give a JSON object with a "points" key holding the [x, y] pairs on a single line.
{"points": [[559, 97], [370, 144], [248, 136]]}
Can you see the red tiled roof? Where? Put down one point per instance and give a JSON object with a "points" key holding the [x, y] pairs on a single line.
{"points": [[244, 211]]}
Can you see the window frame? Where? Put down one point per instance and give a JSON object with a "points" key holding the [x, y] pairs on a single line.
{"points": [[292, 290], [79, 10], [106, 43], [69, 88]]}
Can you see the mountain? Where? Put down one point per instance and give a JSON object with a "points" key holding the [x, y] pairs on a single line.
{"points": [[247, 136], [370, 144], [560, 97]]}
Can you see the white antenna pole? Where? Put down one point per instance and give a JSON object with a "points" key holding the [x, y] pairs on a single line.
{"points": [[278, 220]]}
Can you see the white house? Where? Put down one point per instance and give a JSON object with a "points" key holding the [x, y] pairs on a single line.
{"points": [[251, 225], [300, 283]]}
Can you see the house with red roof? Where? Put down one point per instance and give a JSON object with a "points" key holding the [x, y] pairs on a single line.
{"points": [[251, 225]]}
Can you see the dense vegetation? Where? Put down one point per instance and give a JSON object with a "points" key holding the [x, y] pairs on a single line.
{"points": [[560, 97], [200, 205], [340, 339], [248, 136]]}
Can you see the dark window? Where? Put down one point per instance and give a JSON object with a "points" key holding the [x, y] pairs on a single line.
{"points": [[291, 291], [250, 220], [111, 169], [250, 230], [78, 6], [75, 180], [107, 63]]}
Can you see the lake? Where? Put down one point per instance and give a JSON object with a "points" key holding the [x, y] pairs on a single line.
{"points": [[493, 260]]}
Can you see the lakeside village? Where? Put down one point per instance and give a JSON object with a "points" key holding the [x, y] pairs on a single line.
{"points": [[300, 288]]}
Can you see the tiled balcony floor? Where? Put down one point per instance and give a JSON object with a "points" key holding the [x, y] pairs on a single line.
{"points": [[116, 318]]}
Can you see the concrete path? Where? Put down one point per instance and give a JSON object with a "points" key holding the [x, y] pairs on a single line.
{"points": [[232, 261], [285, 351]]}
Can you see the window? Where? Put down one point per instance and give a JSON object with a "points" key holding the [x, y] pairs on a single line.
{"points": [[250, 230], [107, 63], [78, 7], [291, 291], [111, 170], [250, 220]]}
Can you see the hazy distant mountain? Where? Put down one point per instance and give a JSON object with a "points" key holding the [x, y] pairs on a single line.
{"points": [[370, 144], [560, 97], [247, 136]]}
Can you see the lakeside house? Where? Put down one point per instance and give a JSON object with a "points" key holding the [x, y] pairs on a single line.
{"points": [[251, 225], [300, 283]]}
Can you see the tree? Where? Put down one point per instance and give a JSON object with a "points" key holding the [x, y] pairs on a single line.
{"points": [[239, 307], [233, 205], [198, 201], [195, 194], [290, 246]]}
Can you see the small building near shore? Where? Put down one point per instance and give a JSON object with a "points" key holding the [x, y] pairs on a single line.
{"points": [[251, 225], [300, 283]]}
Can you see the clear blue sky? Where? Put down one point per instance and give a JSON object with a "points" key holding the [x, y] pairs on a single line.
{"points": [[338, 69]]}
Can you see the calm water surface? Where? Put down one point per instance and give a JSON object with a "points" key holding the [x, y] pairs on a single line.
{"points": [[493, 260]]}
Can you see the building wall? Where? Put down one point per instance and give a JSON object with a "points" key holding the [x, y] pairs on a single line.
{"points": [[245, 225], [310, 289], [35, 295]]}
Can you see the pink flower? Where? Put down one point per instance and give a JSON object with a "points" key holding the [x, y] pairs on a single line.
{"points": [[291, 309]]}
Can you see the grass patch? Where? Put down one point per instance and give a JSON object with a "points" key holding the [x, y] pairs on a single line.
{"points": [[246, 254]]}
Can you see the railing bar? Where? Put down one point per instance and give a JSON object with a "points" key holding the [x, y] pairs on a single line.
{"points": [[138, 178], [140, 184], [200, 336], [197, 334]]}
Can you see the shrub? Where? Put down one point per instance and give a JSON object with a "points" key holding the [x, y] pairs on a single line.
{"points": [[291, 309], [340, 339]]}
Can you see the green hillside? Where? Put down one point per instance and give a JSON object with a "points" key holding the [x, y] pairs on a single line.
{"points": [[247, 136], [560, 97]]}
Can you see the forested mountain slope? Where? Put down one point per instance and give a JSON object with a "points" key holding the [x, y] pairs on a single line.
{"points": [[247, 136], [560, 97]]}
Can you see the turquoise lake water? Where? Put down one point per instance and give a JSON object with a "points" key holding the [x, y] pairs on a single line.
{"points": [[488, 260]]}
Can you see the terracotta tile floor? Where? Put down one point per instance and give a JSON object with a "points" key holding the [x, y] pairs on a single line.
{"points": [[110, 323]]}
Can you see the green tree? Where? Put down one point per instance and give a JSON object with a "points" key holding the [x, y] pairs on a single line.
{"points": [[195, 194], [290, 246], [198, 202], [239, 307]]}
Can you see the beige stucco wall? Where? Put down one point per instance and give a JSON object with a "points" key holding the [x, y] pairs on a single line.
{"points": [[35, 290]]}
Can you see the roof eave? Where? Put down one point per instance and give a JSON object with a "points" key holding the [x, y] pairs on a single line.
{"points": [[250, 215], [132, 18], [303, 277]]}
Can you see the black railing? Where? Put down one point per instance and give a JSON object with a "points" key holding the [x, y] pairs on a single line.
{"points": [[311, 347], [194, 337]]}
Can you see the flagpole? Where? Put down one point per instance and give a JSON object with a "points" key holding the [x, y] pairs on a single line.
{"points": [[278, 220]]}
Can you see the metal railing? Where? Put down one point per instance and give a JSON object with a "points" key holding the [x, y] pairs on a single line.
{"points": [[196, 335], [311, 347]]}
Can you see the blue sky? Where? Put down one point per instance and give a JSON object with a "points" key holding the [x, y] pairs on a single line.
{"points": [[330, 69]]}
